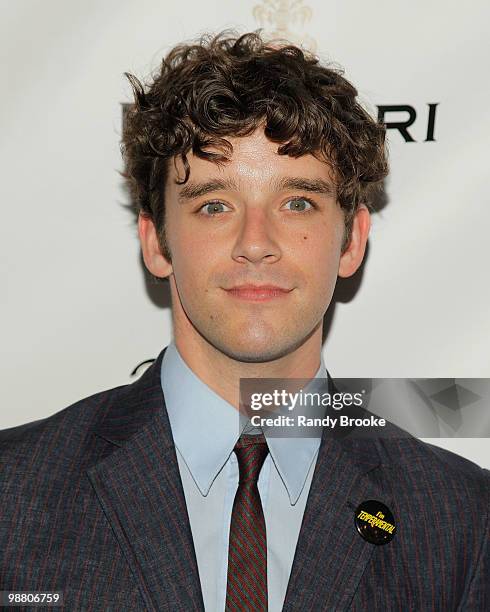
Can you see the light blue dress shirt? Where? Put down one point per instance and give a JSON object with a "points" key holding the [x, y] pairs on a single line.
{"points": [[205, 428]]}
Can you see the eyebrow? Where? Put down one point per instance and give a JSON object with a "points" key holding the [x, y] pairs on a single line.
{"points": [[192, 190], [307, 184]]}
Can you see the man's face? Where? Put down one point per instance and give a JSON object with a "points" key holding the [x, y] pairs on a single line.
{"points": [[259, 219]]}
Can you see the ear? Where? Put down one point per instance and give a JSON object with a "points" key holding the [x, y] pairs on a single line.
{"points": [[150, 247], [352, 257]]}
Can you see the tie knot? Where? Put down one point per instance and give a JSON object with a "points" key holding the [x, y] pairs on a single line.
{"points": [[251, 452]]}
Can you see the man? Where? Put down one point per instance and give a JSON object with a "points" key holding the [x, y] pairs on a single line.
{"points": [[252, 167]]}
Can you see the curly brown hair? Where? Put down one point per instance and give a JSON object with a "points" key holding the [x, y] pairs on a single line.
{"points": [[228, 85]]}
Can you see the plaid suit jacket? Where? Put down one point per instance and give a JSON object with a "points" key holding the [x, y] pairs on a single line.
{"points": [[92, 505]]}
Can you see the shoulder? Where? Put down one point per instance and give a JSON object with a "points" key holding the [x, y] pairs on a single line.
{"points": [[445, 460], [414, 459], [66, 439], [431, 462], [425, 479], [62, 433], [438, 486]]}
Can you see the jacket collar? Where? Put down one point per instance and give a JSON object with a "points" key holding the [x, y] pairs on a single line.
{"points": [[134, 408]]}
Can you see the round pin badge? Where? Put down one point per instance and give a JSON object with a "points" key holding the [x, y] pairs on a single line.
{"points": [[375, 522]]}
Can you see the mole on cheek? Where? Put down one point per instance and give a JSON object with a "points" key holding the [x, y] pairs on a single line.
{"points": [[305, 237]]}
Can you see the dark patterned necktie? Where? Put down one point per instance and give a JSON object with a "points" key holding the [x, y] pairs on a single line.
{"points": [[247, 554]]}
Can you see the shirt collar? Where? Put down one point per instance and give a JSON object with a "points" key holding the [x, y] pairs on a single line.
{"points": [[205, 429]]}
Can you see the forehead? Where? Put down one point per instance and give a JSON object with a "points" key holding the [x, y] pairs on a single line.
{"points": [[254, 160]]}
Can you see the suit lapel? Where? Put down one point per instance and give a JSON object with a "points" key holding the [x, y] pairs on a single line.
{"points": [[139, 488], [331, 556]]}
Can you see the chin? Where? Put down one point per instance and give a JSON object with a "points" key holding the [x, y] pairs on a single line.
{"points": [[256, 351]]}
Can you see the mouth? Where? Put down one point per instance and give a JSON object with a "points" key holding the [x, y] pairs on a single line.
{"points": [[257, 293]]}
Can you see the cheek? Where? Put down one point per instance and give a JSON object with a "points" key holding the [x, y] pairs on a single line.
{"points": [[319, 255], [322, 245], [194, 261]]}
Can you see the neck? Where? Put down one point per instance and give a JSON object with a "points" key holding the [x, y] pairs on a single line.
{"points": [[222, 373]]}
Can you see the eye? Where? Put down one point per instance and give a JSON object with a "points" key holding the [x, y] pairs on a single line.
{"points": [[211, 208], [300, 205]]}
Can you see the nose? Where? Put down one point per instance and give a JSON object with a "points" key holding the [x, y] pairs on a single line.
{"points": [[255, 242]]}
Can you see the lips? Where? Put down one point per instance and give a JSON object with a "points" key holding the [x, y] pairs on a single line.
{"points": [[258, 292]]}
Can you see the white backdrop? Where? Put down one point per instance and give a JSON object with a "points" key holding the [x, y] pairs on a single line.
{"points": [[77, 312]]}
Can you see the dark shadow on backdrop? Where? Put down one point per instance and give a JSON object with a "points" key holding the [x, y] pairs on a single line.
{"points": [[346, 288], [345, 291]]}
